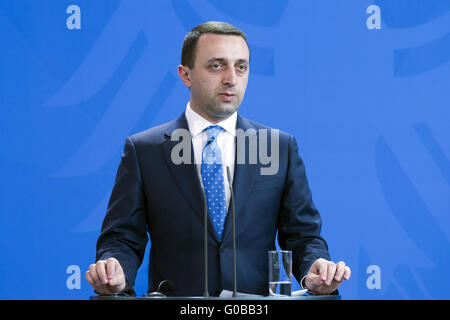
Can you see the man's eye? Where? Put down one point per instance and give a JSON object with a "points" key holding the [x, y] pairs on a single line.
{"points": [[242, 67], [215, 66]]}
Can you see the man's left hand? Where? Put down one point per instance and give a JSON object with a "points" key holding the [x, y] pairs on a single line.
{"points": [[324, 276]]}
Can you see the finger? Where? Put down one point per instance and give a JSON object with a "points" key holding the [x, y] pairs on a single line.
{"points": [[100, 267], [315, 266], [114, 281], [111, 267], [331, 271], [93, 274], [323, 270], [347, 273], [340, 269], [89, 278], [117, 281]]}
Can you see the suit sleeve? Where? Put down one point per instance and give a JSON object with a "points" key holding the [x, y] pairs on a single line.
{"points": [[124, 234], [299, 222]]}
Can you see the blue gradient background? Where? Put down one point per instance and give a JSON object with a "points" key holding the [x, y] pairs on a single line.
{"points": [[369, 108]]}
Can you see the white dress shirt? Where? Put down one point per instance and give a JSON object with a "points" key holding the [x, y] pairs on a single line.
{"points": [[225, 140]]}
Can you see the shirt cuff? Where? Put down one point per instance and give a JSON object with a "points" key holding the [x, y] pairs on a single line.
{"points": [[303, 283]]}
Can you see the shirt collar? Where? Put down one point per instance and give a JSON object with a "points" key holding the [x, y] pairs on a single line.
{"points": [[196, 123]]}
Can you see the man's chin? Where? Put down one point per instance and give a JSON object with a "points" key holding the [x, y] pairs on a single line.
{"points": [[226, 109], [224, 113]]}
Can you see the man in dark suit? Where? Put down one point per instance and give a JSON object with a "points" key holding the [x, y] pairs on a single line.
{"points": [[158, 190]]}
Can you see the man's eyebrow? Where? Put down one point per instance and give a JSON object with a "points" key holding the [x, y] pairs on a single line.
{"points": [[213, 59], [243, 61], [216, 59]]}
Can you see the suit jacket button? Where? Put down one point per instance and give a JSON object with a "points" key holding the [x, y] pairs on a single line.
{"points": [[222, 249]]}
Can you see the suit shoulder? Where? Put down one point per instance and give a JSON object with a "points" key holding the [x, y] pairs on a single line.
{"points": [[154, 135]]}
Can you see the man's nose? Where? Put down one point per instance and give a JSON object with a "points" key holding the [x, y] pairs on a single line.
{"points": [[229, 77]]}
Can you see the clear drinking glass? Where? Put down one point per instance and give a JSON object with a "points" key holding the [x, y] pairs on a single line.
{"points": [[280, 272]]}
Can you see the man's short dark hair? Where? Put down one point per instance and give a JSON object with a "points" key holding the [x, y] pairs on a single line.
{"points": [[215, 27]]}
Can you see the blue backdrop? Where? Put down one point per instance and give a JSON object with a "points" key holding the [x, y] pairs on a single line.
{"points": [[363, 85]]}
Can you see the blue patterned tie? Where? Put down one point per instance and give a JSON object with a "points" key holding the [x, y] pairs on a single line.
{"points": [[212, 177]]}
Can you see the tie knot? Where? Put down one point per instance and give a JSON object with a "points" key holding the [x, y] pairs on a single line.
{"points": [[213, 131]]}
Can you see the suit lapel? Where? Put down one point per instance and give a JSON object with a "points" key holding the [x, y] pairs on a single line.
{"points": [[244, 177], [185, 175]]}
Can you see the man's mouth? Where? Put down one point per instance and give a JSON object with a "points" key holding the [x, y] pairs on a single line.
{"points": [[226, 96]]}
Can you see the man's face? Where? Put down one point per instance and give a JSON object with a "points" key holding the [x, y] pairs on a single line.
{"points": [[219, 77]]}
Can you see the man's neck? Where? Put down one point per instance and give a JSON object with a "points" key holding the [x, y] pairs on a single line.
{"points": [[207, 116]]}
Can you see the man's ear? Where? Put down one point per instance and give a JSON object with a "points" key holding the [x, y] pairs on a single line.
{"points": [[184, 73]]}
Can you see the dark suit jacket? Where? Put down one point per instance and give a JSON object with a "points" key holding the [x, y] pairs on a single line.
{"points": [[154, 196]]}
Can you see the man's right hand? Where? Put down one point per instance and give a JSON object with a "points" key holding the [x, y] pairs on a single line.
{"points": [[106, 276]]}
